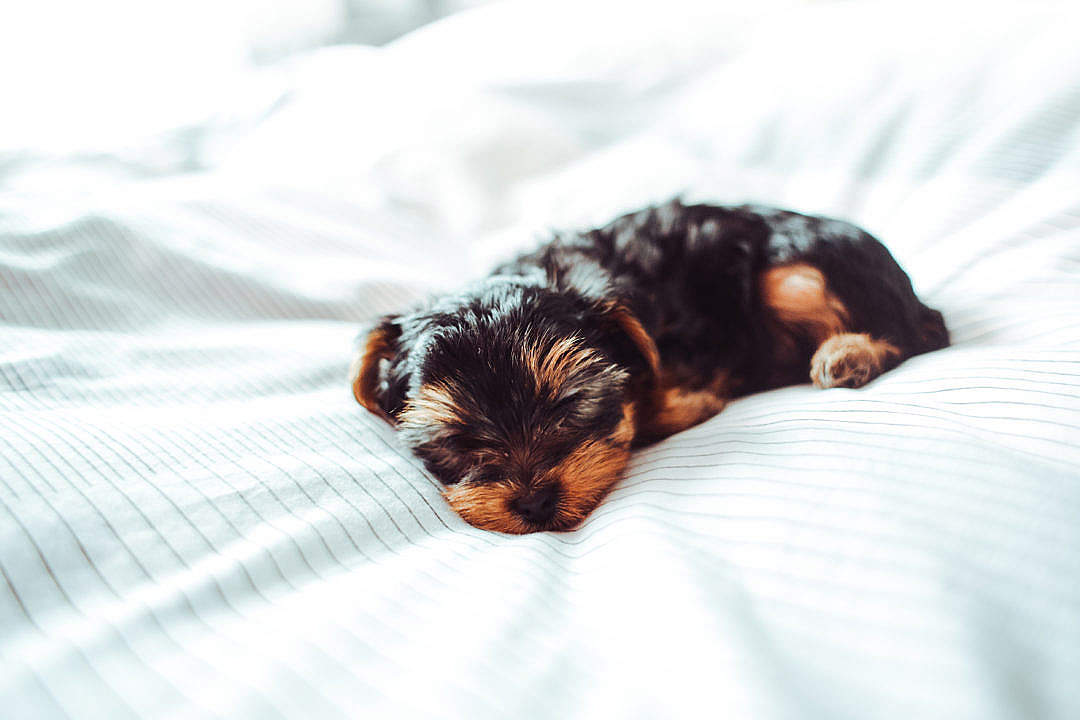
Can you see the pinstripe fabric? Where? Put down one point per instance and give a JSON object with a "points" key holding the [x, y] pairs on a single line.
{"points": [[196, 520]]}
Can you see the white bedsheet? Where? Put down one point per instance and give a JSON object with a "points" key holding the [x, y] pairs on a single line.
{"points": [[196, 519]]}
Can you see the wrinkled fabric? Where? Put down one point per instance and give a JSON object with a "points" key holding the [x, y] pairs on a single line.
{"points": [[197, 520]]}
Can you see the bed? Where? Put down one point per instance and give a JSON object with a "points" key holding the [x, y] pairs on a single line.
{"points": [[197, 520]]}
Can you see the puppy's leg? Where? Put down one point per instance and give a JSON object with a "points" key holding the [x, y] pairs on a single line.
{"points": [[673, 410], [808, 318], [851, 360], [675, 404]]}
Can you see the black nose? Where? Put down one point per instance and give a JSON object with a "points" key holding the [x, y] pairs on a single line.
{"points": [[538, 505]]}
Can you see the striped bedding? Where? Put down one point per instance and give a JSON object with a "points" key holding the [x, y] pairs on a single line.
{"points": [[196, 520]]}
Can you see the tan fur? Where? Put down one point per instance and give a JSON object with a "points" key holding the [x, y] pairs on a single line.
{"points": [[852, 360], [433, 404], [633, 328], [679, 409], [584, 477], [672, 407], [364, 371], [627, 427], [554, 368], [487, 506], [802, 307]]}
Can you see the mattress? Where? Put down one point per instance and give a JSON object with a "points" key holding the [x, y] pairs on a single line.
{"points": [[197, 520]]}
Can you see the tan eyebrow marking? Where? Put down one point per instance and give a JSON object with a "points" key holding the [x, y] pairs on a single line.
{"points": [[433, 404]]}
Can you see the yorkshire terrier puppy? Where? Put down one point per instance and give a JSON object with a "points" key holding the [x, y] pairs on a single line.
{"points": [[525, 392]]}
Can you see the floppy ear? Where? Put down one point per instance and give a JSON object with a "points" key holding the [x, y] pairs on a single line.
{"points": [[380, 344], [626, 322]]}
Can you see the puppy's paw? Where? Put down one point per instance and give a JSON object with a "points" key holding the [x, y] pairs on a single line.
{"points": [[851, 360]]}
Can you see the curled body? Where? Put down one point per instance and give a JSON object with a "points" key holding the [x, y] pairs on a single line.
{"points": [[525, 392]]}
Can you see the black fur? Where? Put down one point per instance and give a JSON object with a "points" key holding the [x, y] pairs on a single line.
{"points": [[689, 273]]}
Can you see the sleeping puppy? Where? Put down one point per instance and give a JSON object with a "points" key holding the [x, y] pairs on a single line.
{"points": [[525, 392]]}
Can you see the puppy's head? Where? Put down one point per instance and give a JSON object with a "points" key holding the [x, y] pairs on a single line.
{"points": [[517, 398]]}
